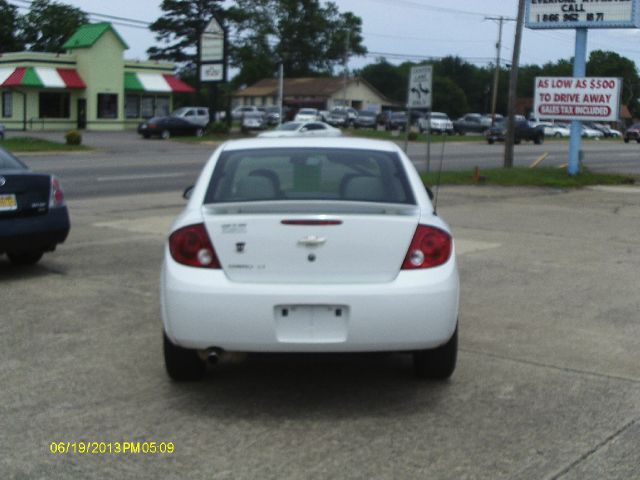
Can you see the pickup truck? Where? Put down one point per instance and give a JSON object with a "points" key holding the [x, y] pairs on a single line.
{"points": [[523, 131]]}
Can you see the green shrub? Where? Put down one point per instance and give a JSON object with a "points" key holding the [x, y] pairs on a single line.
{"points": [[413, 136], [219, 127], [73, 137]]}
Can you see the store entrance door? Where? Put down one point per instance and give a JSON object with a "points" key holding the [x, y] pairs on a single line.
{"points": [[82, 113]]}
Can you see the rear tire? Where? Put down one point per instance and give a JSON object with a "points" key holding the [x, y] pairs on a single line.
{"points": [[437, 363], [199, 132], [539, 140], [165, 135], [626, 140], [25, 258], [182, 364]]}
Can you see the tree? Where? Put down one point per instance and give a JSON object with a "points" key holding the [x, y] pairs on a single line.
{"points": [[9, 39], [386, 78], [180, 28], [48, 25], [309, 38], [610, 64]]}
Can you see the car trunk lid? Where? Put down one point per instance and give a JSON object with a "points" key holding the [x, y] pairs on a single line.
{"points": [[311, 242]]}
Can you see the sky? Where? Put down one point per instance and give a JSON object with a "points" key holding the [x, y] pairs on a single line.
{"points": [[401, 30]]}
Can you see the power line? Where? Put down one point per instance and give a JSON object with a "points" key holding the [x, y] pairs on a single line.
{"points": [[423, 6]]}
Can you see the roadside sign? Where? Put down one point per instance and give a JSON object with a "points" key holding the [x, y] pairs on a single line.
{"points": [[212, 72], [583, 14], [581, 98], [212, 43], [420, 87], [212, 53]]}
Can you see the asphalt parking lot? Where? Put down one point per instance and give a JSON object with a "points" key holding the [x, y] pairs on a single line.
{"points": [[547, 385]]}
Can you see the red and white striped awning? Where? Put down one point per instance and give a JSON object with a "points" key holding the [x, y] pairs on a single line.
{"points": [[40, 77], [155, 82]]}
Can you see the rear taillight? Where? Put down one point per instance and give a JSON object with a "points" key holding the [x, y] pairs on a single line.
{"points": [[56, 198], [191, 246], [429, 248]]}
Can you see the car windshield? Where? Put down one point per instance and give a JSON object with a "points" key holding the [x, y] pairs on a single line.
{"points": [[289, 126], [9, 162], [439, 116], [309, 174], [253, 115], [308, 111], [179, 112]]}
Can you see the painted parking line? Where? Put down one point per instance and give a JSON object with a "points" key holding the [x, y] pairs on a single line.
{"points": [[150, 176], [615, 189]]}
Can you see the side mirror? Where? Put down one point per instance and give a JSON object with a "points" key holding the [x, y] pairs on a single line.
{"points": [[187, 192]]}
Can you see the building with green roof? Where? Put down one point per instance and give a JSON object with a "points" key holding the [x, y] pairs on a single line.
{"points": [[91, 86]]}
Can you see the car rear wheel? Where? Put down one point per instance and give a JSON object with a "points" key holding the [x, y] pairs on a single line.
{"points": [[490, 141], [25, 258], [165, 135], [626, 139], [557, 134], [200, 132], [182, 364], [437, 363], [538, 140]]}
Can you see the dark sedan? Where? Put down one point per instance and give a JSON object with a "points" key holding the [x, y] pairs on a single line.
{"points": [[166, 127], [632, 133], [33, 214]]}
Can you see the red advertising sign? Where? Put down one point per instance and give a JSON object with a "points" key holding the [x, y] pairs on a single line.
{"points": [[586, 98]]}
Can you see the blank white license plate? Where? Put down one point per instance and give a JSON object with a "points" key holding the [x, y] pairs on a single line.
{"points": [[8, 202], [312, 323]]}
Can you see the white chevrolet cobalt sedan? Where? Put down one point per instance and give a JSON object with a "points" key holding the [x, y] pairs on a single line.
{"points": [[309, 245]]}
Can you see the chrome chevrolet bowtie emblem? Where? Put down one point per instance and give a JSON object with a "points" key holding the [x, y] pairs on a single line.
{"points": [[312, 241]]}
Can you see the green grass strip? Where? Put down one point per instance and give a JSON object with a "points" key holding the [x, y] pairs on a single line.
{"points": [[529, 177], [29, 144]]}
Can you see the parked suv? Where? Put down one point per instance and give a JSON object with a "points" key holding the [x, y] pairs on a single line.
{"points": [[439, 123], [524, 131], [196, 115]]}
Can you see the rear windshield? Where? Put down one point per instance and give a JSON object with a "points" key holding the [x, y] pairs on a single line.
{"points": [[309, 174], [9, 162]]}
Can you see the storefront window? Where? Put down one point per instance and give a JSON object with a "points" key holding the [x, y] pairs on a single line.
{"points": [[107, 105], [132, 106], [7, 104], [162, 107], [146, 107], [54, 105]]}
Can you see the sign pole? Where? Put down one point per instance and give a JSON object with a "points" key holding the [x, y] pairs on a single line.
{"points": [[579, 70]]}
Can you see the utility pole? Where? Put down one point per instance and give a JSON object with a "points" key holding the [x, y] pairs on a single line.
{"points": [[496, 74], [513, 84], [346, 70]]}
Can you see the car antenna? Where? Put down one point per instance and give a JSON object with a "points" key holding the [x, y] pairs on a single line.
{"points": [[435, 201]]}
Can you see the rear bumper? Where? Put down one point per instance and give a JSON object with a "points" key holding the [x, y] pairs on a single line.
{"points": [[203, 309], [40, 232]]}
